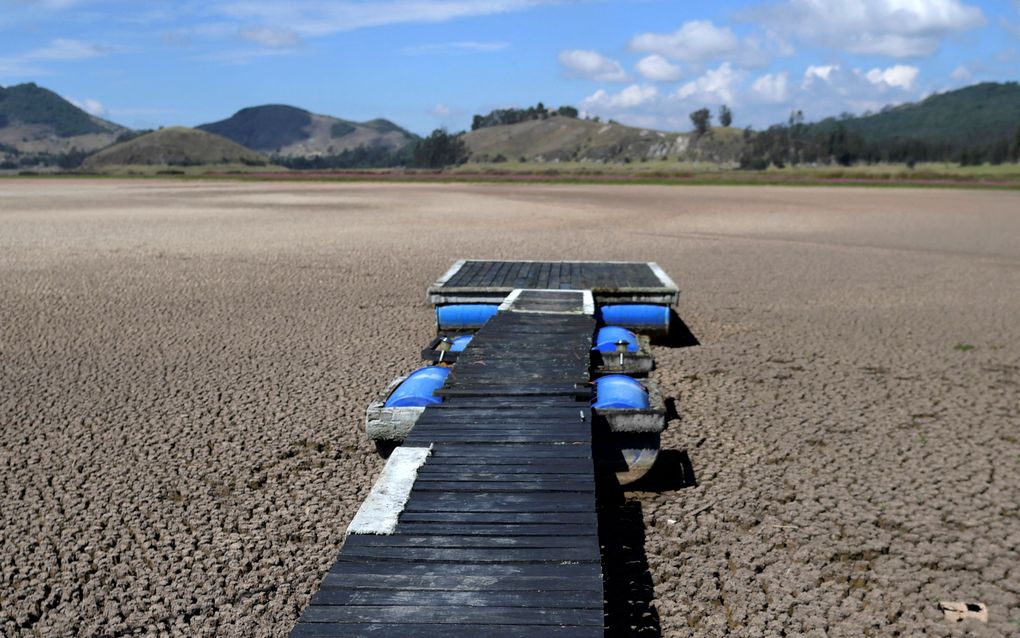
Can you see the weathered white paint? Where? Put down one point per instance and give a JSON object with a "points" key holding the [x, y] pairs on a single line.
{"points": [[379, 513]]}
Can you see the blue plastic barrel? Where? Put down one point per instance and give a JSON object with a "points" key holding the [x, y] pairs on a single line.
{"points": [[620, 392], [641, 316], [459, 343], [606, 338], [416, 390], [464, 315]]}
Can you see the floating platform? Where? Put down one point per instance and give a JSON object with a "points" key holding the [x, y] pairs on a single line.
{"points": [[478, 281], [483, 522]]}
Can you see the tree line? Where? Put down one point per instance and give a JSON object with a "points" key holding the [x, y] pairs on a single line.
{"points": [[798, 143], [500, 117]]}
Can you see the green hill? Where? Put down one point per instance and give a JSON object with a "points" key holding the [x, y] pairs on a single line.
{"points": [[977, 115], [174, 147], [560, 138], [37, 120], [288, 131]]}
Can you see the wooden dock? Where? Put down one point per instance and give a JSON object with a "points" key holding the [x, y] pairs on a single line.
{"points": [[488, 281], [498, 536]]}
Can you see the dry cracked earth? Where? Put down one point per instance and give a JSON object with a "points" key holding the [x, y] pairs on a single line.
{"points": [[184, 368]]}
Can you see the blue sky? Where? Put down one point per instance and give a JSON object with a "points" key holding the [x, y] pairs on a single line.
{"points": [[430, 63]]}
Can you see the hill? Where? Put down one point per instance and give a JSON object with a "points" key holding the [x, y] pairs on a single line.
{"points": [[287, 131], [174, 147], [978, 115], [568, 139], [37, 120]]}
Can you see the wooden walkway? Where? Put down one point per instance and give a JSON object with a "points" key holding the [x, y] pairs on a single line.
{"points": [[498, 537]]}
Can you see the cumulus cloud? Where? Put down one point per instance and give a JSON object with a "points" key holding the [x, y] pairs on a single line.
{"points": [[895, 28], [818, 73], [716, 85], [901, 76], [772, 87], [694, 41], [633, 96], [699, 41], [658, 69], [440, 110], [592, 65]]}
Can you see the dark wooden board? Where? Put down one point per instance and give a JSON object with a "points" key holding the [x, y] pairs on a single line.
{"points": [[446, 541], [424, 630], [499, 598], [442, 615], [456, 582], [583, 574]]}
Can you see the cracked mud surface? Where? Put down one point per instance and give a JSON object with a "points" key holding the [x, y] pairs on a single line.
{"points": [[184, 369]]}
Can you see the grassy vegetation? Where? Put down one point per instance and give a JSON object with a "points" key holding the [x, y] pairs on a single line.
{"points": [[175, 147], [648, 173], [666, 170]]}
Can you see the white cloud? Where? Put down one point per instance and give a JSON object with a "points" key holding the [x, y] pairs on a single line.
{"points": [[772, 87], [592, 65], [440, 110], [901, 76], [311, 18], [272, 37], [658, 69], [90, 106], [468, 46], [819, 72], [896, 28], [694, 41], [65, 49], [699, 41], [633, 96], [716, 85]]}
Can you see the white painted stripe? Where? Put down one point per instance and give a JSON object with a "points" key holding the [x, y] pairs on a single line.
{"points": [[510, 299], [449, 273], [666, 280], [379, 513], [589, 302]]}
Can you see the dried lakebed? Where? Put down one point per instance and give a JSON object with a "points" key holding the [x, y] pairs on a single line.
{"points": [[185, 366]]}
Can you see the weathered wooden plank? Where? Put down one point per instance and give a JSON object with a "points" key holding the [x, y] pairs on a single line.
{"points": [[493, 529], [522, 451], [492, 581], [549, 502], [481, 555], [443, 541], [504, 486], [528, 599], [442, 615], [419, 630], [582, 573], [497, 517]]}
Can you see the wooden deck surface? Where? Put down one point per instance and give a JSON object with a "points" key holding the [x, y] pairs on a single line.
{"points": [[499, 535], [490, 281]]}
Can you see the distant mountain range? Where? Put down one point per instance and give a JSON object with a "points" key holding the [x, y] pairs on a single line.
{"points": [[37, 123]]}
